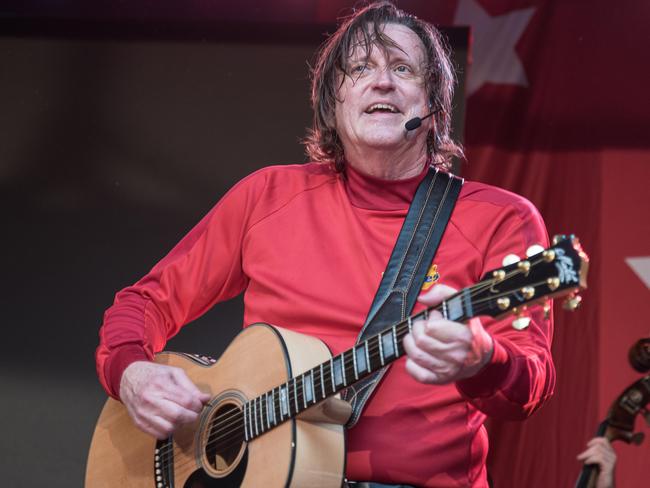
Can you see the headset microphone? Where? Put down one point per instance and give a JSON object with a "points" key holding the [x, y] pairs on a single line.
{"points": [[416, 122]]}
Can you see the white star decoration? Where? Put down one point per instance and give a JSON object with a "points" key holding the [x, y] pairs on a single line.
{"points": [[641, 266], [494, 59]]}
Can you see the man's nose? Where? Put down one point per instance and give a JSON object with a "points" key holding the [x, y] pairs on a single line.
{"points": [[384, 79]]}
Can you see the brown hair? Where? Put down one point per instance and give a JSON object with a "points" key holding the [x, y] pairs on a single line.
{"points": [[364, 28]]}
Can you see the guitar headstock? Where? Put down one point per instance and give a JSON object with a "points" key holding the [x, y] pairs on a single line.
{"points": [[560, 270]]}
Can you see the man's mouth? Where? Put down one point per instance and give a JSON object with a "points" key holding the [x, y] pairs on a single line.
{"points": [[382, 108]]}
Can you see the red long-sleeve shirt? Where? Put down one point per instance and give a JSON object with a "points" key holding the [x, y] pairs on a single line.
{"points": [[308, 246]]}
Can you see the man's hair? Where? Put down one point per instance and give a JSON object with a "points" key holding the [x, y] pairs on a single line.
{"points": [[363, 29]]}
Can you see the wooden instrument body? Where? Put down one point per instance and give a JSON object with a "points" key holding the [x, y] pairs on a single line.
{"points": [[299, 452]]}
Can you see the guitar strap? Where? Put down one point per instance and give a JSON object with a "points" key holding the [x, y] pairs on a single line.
{"points": [[411, 258]]}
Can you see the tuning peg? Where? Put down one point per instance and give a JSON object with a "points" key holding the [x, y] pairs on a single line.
{"points": [[510, 259], [557, 238], [499, 275], [528, 292], [520, 323], [548, 255], [534, 249], [524, 266], [572, 302], [553, 283], [503, 303]]}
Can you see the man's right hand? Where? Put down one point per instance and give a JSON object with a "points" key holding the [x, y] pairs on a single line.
{"points": [[160, 398]]}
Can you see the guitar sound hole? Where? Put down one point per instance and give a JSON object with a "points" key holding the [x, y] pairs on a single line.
{"points": [[224, 440]]}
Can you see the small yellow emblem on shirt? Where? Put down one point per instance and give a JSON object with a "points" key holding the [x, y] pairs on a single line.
{"points": [[431, 277]]}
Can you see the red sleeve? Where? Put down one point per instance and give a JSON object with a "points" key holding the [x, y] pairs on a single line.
{"points": [[205, 267], [521, 374]]}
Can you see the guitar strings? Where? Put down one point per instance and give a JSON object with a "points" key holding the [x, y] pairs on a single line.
{"points": [[220, 435]]}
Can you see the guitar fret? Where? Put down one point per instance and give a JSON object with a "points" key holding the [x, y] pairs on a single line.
{"points": [[388, 345], [247, 407], [269, 409], [402, 332], [276, 397], [337, 373], [332, 374], [295, 393], [381, 350], [360, 358], [354, 363], [395, 341], [322, 381], [265, 412], [454, 308], [251, 416], [377, 354], [366, 348], [284, 405], [345, 383], [246, 437], [255, 416], [289, 399], [288, 390], [308, 388], [262, 414], [350, 366], [469, 311], [410, 324]]}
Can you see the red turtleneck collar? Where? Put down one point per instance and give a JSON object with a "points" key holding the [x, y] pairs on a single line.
{"points": [[372, 193]]}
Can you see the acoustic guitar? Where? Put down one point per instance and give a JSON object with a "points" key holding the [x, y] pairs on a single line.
{"points": [[275, 418]]}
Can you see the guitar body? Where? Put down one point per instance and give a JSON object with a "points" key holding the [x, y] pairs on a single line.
{"points": [[298, 452]]}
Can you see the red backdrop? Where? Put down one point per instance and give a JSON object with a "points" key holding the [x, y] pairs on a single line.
{"points": [[569, 135], [558, 112]]}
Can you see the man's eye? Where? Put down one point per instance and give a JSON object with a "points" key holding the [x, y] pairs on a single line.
{"points": [[359, 68], [403, 69]]}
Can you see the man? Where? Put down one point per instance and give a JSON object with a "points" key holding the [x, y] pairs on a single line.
{"points": [[307, 244]]}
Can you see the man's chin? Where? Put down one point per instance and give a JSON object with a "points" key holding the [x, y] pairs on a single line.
{"points": [[387, 142]]}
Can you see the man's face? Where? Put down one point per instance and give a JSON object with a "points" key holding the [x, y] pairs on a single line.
{"points": [[382, 93]]}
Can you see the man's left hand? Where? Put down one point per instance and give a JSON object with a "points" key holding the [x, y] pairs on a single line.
{"points": [[441, 351]]}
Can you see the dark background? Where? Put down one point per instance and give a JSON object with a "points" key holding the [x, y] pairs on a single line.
{"points": [[116, 136]]}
